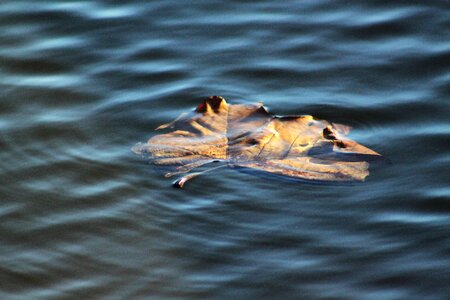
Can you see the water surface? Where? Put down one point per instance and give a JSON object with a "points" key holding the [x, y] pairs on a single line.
{"points": [[82, 217]]}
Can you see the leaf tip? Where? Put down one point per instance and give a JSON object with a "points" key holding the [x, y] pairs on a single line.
{"points": [[179, 183], [214, 103], [138, 148], [163, 126]]}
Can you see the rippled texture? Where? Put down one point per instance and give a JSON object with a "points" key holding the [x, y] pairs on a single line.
{"points": [[82, 217]]}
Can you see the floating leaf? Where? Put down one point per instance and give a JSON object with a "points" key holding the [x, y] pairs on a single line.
{"points": [[249, 136]]}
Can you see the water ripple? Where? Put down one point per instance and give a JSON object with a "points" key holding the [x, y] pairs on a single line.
{"points": [[83, 81]]}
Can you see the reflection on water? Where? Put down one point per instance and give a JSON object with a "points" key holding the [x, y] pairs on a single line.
{"points": [[82, 217]]}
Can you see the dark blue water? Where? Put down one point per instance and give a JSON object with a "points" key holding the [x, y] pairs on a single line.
{"points": [[82, 217]]}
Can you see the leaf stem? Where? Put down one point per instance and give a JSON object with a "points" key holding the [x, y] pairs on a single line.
{"points": [[179, 183]]}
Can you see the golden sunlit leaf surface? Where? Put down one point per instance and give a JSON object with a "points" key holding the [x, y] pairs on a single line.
{"points": [[249, 136]]}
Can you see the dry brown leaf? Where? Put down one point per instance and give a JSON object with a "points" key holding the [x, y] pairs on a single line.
{"points": [[249, 136]]}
